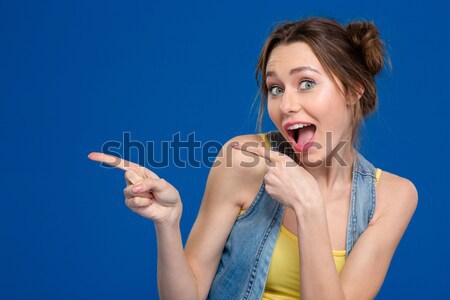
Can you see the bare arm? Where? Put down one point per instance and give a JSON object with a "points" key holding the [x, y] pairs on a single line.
{"points": [[175, 278], [367, 265], [229, 185]]}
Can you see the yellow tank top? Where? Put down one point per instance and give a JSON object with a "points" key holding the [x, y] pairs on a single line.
{"points": [[283, 279]]}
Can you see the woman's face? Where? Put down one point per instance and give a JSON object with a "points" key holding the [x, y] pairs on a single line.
{"points": [[300, 92]]}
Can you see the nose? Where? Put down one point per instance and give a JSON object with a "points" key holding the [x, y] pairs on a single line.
{"points": [[289, 103]]}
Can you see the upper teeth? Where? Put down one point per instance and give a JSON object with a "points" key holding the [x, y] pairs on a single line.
{"points": [[296, 126]]}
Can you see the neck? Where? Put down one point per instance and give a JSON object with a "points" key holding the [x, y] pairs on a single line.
{"points": [[335, 170]]}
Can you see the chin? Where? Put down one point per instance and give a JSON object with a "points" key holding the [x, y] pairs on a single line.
{"points": [[312, 157]]}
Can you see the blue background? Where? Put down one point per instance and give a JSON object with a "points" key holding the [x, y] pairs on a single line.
{"points": [[76, 74]]}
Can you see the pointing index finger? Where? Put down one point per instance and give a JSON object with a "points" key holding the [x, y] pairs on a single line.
{"points": [[113, 161]]}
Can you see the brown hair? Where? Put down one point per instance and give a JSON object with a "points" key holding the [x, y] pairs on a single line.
{"points": [[354, 54]]}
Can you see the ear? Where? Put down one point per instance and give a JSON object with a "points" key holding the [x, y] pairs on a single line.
{"points": [[354, 96]]}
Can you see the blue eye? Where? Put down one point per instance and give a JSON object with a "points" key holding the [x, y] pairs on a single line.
{"points": [[275, 90], [307, 84]]}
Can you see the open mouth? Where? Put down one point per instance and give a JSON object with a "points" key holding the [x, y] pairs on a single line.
{"points": [[302, 135]]}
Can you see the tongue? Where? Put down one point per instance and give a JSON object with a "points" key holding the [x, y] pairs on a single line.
{"points": [[305, 135]]}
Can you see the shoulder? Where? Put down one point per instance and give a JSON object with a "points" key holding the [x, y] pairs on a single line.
{"points": [[238, 171], [395, 195], [240, 162]]}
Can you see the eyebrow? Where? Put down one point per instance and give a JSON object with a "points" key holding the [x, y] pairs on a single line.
{"points": [[294, 71]]}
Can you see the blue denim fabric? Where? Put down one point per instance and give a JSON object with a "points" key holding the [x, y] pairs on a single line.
{"points": [[245, 261]]}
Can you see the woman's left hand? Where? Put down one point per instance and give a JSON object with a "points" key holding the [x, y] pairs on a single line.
{"points": [[286, 181]]}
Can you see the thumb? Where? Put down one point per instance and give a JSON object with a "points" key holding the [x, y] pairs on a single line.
{"points": [[155, 185]]}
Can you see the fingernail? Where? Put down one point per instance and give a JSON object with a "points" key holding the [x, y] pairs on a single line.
{"points": [[235, 144], [137, 188]]}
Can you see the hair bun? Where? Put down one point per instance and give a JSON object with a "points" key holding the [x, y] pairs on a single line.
{"points": [[366, 38]]}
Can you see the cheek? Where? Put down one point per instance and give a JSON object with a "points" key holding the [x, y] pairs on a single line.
{"points": [[273, 111], [331, 103], [334, 116]]}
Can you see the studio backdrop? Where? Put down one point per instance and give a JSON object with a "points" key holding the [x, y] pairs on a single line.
{"points": [[145, 79]]}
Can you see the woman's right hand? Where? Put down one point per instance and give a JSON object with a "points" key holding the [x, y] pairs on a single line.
{"points": [[146, 194]]}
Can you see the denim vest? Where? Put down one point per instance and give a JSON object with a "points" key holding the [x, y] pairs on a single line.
{"points": [[244, 265]]}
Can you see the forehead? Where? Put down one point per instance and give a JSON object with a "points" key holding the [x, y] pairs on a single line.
{"points": [[286, 57]]}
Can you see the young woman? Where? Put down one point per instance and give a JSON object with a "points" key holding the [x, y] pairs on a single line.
{"points": [[297, 211]]}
